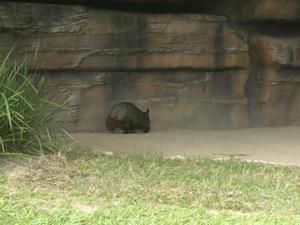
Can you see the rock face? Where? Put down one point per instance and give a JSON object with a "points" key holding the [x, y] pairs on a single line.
{"points": [[275, 57], [192, 70], [277, 64]]}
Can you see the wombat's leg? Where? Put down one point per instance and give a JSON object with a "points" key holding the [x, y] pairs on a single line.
{"points": [[110, 125], [132, 128], [145, 130], [111, 129], [126, 128]]}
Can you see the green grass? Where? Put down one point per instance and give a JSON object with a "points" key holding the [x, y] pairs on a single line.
{"points": [[27, 113], [84, 188]]}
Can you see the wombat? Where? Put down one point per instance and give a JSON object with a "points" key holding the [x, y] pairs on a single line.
{"points": [[127, 117]]}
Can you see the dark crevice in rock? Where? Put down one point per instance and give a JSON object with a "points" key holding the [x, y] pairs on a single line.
{"points": [[251, 92], [154, 70], [292, 69], [219, 44], [154, 8], [252, 96], [271, 29], [136, 6]]}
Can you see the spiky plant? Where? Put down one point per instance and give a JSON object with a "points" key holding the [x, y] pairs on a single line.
{"points": [[27, 112]]}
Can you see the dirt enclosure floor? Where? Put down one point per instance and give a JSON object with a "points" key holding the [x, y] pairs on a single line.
{"points": [[280, 145]]}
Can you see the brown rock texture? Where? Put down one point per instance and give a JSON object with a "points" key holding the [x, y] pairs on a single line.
{"points": [[271, 10], [76, 38], [277, 63], [191, 68]]}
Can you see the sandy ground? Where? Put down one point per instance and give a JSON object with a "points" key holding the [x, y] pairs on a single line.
{"points": [[276, 145]]}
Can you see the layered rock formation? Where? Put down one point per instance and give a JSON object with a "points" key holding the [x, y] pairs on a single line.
{"points": [[190, 69], [274, 40]]}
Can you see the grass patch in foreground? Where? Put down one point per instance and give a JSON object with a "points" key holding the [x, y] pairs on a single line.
{"points": [[83, 188]]}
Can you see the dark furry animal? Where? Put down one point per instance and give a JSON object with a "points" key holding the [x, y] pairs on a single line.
{"points": [[127, 117]]}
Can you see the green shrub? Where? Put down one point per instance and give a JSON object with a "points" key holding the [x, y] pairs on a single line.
{"points": [[27, 113]]}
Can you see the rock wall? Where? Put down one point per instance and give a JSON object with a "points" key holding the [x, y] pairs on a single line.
{"points": [[274, 40], [192, 70]]}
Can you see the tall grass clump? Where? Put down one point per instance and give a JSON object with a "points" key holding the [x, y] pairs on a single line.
{"points": [[27, 112]]}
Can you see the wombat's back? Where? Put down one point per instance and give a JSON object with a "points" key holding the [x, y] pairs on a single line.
{"points": [[122, 111]]}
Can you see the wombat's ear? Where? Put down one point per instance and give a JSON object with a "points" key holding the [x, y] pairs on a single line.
{"points": [[147, 111]]}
